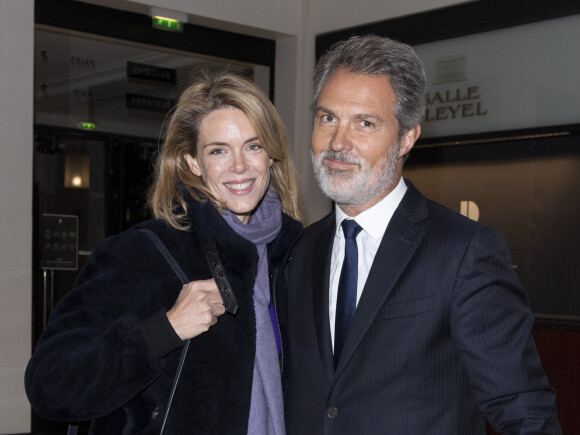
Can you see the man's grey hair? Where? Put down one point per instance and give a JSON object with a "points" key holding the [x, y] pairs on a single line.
{"points": [[375, 55]]}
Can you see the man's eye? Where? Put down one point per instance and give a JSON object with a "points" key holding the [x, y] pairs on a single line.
{"points": [[327, 118], [366, 124]]}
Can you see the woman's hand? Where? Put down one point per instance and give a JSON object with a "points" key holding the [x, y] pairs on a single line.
{"points": [[196, 309]]}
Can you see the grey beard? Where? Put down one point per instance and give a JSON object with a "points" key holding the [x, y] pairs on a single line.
{"points": [[347, 189]]}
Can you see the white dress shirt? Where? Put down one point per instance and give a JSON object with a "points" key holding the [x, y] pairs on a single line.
{"points": [[374, 223]]}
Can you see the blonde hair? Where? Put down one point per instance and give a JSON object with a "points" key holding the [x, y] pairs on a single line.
{"points": [[212, 91]]}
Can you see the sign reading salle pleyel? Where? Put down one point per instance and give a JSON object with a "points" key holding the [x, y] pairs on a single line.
{"points": [[514, 78], [451, 98], [458, 100]]}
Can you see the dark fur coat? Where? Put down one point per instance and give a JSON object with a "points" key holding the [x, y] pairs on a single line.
{"points": [[109, 353]]}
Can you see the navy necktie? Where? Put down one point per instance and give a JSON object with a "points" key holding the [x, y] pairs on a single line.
{"points": [[346, 298]]}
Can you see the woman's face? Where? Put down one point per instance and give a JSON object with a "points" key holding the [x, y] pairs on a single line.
{"points": [[231, 161]]}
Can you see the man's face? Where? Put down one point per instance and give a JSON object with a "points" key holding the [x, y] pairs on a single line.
{"points": [[356, 156]]}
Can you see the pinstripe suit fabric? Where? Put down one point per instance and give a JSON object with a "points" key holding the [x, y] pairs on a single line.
{"points": [[441, 335]]}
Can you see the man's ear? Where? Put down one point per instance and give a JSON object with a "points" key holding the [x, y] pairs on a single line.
{"points": [[193, 165], [409, 139]]}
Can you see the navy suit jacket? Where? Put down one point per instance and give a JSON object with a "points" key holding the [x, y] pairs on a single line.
{"points": [[440, 338]]}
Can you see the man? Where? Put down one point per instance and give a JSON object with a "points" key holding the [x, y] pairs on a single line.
{"points": [[426, 327]]}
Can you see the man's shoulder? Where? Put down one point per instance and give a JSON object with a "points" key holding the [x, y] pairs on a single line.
{"points": [[420, 206], [444, 213], [311, 234], [321, 225]]}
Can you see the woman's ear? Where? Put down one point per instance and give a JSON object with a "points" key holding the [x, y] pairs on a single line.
{"points": [[193, 165]]}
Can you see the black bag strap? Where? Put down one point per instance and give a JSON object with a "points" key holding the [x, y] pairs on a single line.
{"points": [[219, 275], [183, 278], [73, 428], [167, 255]]}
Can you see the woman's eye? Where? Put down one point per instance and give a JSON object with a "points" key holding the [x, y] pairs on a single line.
{"points": [[255, 147], [216, 152]]}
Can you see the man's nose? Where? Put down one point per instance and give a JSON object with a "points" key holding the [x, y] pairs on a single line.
{"points": [[341, 139]]}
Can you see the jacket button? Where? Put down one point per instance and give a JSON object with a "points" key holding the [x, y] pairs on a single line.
{"points": [[332, 412], [155, 413]]}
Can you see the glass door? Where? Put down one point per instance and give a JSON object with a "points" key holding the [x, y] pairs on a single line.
{"points": [[86, 188]]}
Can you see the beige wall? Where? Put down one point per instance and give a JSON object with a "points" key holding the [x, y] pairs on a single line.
{"points": [[16, 49], [292, 23], [327, 16]]}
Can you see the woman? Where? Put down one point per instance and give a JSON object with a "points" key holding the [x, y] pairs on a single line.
{"points": [[111, 349]]}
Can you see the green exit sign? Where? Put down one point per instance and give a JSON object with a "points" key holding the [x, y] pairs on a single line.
{"points": [[167, 24], [87, 125]]}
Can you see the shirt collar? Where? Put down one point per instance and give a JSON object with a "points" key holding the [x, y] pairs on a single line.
{"points": [[374, 221]]}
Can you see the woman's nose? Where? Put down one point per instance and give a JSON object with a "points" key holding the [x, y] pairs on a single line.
{"points": [[239, 164]]}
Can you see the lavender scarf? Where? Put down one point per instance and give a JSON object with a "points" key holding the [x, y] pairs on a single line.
{"points": [[266, 408]]}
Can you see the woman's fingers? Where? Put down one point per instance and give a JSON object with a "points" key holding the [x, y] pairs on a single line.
{"points": [[196, 309]]}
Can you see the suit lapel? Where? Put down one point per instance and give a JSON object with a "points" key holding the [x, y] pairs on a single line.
{"points": [[398, 246], [320, 281]]}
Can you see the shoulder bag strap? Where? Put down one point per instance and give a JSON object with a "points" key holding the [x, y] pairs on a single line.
{"points": [[73, 428], [183, 278]]}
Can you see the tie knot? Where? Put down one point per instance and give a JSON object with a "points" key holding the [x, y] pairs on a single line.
{"points": [[350, 228]]}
